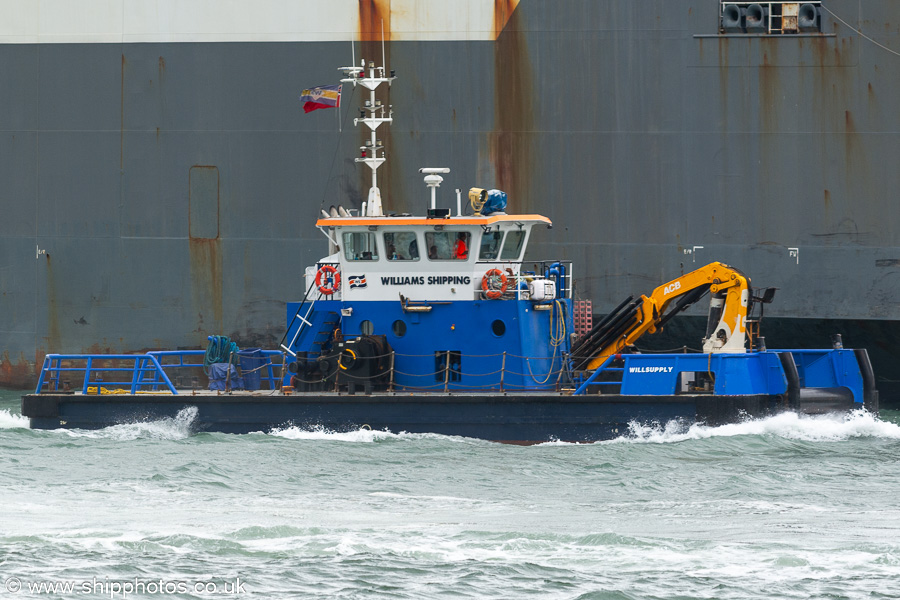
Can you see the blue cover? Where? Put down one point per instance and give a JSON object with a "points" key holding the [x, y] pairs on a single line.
{"points": [[217, 374], [496, 202]]}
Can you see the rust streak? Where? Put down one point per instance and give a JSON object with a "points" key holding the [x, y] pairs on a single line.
{"points": [[54, 342], [375, 17], [17, 375], [503, 11], [372, 13], [206, 283], [511, 151], [851, 141]]}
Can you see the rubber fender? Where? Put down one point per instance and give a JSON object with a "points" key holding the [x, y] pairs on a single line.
{"points": [[870, 392], [793, 379], [820, 401]]}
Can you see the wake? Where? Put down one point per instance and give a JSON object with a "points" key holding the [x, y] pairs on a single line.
{"points": [[835, 427]]}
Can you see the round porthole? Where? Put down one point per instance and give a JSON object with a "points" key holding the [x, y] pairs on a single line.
{"points": [[366, 327], [498, 327], [399, 328]]}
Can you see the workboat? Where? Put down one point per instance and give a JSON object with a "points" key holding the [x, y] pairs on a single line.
{"points": [[439, 324]]}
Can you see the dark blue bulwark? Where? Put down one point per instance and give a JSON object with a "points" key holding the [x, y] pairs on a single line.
{"points": [[524, 418], [754, 373], [735, 374], [829, 369]]}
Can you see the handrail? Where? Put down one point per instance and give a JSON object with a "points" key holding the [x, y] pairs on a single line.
{"points": [[303, 320], [147, 370], [138, 370], [540, 267], [581, 389]]}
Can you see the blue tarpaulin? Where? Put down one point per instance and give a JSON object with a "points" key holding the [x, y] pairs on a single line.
{"points": [[218, 373]]}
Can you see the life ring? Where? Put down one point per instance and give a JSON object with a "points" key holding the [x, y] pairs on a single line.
{"points": [[329, 273], [489, 283]]}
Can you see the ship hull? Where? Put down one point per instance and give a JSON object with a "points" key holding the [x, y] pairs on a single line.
{"points": [[514, 418]]}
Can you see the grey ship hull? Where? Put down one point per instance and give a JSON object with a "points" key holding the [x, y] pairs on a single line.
{"points": [[155, 193]]}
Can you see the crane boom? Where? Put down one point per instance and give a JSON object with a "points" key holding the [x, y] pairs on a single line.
{"points": [[726, 326]]}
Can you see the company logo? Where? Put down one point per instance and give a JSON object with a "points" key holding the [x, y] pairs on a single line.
{"points": [[671, 288], [650, 369], [357, 281]]}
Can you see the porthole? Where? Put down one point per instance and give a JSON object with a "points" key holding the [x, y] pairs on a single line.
{"points": [[399, 328], [498, 327], [366, 327]]}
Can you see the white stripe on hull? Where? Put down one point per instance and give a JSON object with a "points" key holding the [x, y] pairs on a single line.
{"points": [[162, 21]]}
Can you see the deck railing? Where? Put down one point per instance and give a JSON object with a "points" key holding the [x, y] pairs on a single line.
{"points": [[148, 372], [145, 371]]}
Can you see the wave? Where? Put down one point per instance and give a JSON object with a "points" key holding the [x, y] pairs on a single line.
{"points": [[833, 427], [361, 435], [10, 420], [172, 428]]}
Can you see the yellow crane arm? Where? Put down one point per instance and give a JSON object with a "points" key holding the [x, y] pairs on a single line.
{"points": [[726, 329]]}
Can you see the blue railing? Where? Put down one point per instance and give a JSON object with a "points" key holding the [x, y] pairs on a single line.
{"points": [[146, 370], [603, 368]]}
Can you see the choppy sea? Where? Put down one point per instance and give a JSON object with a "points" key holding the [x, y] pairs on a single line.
{"points": [[784, 507]]}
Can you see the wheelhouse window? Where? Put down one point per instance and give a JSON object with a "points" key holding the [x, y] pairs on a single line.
{"points": [[360, 245], [401, 245], [447, 245], [512, 249], [490, 245]]}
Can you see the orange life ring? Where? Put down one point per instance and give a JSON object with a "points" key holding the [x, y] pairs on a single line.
{"points": [[489, 283], [332, 274]]}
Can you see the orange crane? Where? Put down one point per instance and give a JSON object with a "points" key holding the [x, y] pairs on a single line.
{"points": [[726, 327]]}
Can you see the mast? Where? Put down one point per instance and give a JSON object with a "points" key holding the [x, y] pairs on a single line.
{"points": [[371, 113]]}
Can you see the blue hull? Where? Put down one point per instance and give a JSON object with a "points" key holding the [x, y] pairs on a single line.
{"points": [[522, 418]]}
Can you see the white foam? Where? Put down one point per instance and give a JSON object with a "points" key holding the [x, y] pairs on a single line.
{"points": [[9, 420], [174, 428], [362, 435], [320, 433], [834, 427], [431, 502]]}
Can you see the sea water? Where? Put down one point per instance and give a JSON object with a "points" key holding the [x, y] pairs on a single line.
{"points": [[783, 507]]}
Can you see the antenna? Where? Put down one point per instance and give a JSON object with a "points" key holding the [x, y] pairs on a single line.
{"points": [[433, 180], [372, 114], [383, 61]]}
